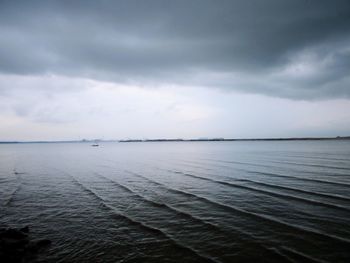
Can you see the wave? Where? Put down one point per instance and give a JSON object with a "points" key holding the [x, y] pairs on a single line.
{"points": [[146, 227], [297, 256], [258, 216], [312, 165], [13, 194], [331, 196], [326, 174], [301, 178], [318, 194], [236, 162], [214, 227], [163, 205], [317, 157], [285, 176], [279, 195]]}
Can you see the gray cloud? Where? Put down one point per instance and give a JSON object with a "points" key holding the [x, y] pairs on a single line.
{"points": [[296, 49]]}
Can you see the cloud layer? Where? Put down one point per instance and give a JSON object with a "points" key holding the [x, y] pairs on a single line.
{"points": [[294, 49]]}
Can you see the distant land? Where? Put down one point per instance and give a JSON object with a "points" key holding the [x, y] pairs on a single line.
{"points": [[248, 139], [188, 140]]}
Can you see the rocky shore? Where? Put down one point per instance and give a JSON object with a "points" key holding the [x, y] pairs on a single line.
{"points": [[16, 245]]}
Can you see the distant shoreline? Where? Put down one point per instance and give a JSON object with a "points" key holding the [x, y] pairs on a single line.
{"points": [[251, 139], [190, 140]]}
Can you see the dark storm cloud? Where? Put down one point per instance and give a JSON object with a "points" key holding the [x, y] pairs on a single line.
{"points": [[296, 49]]}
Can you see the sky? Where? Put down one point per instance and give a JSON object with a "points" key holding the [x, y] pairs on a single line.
{"points": [[174, 69]]}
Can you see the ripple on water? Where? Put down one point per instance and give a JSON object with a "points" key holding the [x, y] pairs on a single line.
{"points": [[203, 202]]}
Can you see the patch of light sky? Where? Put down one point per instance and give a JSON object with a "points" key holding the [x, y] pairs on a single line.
{"points": [[95, 109]]}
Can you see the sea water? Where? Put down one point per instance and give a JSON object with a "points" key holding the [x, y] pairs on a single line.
{"points": [[268, 201]]}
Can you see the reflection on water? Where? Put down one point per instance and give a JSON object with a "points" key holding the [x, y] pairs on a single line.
{"points": [[181, 201]]}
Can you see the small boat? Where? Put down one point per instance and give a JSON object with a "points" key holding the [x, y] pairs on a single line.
{"points": [[95, 143]]}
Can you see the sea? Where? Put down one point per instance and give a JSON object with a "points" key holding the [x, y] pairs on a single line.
{"points": [[239, 201]]}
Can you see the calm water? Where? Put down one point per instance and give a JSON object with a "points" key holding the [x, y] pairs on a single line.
{"points": [[181, 201]]}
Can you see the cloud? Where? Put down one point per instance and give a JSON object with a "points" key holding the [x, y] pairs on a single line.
{"points": [[295, 49]]}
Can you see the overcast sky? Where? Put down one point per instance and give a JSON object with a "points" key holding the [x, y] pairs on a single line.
{"points": [[171, 69]]}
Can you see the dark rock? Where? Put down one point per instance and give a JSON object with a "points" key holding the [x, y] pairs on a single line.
{"points": [[14, 243], [13, 233], [16, 246], [25, 229], [34, 247]]}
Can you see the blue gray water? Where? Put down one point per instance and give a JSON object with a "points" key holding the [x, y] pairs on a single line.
{"points": [[181, 201]]}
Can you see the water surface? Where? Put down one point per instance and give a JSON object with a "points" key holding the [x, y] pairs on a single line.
{"points": [[286, 201]]}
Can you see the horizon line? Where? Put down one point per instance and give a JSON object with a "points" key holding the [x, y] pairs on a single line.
{"points": [[180, 140]]}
